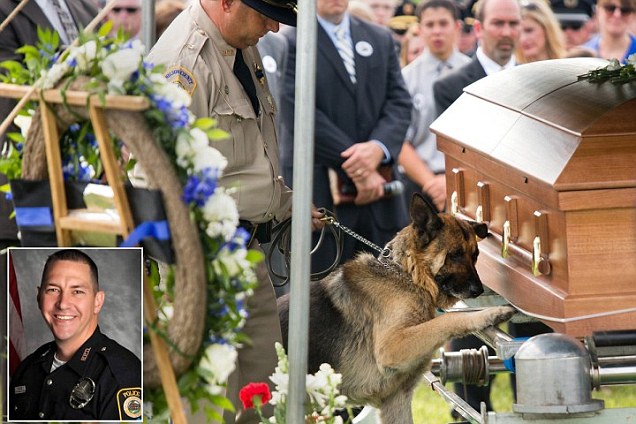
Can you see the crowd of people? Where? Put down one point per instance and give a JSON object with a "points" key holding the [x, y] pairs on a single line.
{"points": [[385, 71]]}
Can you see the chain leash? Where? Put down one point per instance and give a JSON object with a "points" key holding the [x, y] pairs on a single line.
{"points": [[384, 253]]}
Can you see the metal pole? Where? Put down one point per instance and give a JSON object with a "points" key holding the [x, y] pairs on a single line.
{"points": [[301, 207], [148, 23]]}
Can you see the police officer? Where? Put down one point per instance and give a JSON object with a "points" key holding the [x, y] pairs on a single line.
{"points": [[83, 374], [208, 50]]}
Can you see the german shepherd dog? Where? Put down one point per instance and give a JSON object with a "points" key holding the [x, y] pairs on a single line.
{"points": [[374, 320]]}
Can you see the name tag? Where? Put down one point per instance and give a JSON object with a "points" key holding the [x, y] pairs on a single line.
{"points": [[19, 390]]}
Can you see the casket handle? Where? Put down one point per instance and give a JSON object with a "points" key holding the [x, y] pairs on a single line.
{"points": [[457, 196]]}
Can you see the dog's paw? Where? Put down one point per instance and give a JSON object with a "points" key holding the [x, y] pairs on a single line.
{"points": [[495, 315]]}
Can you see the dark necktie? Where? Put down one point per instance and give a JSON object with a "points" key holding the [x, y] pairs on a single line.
{"points": [[443, 68], [66, 20], [243, 74]]}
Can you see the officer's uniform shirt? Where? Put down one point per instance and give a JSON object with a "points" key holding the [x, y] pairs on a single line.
{"points": [[200, 61], [37, 393]]}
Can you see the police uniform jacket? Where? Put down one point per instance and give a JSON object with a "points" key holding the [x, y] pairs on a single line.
{"points": [[200, 61], [38, 394]]}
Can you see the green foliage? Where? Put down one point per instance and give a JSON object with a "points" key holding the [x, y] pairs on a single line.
{"points": [[614, 72]]}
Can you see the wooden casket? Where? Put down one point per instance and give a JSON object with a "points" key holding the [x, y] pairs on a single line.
{"points": [[549, 162]]}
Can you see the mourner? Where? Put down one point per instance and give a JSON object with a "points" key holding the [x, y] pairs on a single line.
{"points": [[82, 374], [209, 50]]}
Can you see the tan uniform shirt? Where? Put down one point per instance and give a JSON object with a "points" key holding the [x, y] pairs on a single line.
{"points": [[200, 61]]}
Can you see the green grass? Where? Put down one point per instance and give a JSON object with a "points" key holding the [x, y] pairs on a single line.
{"points": [[430, 408]]}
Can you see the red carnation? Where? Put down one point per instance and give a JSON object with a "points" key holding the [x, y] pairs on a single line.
{"points": [[253, 390]]}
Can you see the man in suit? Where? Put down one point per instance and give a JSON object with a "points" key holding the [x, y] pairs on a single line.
{"points": [[421, 162], [497, 28], [362, 113]]}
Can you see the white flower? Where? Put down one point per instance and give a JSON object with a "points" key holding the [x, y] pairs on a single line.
{"points": [[192, 149], [221, 214], [24, 123], [631, 59], [209, 158], [54, 75], [170, 92], [220, 360], [120, 65], [614, 65], [83, 55], [235, 263]]}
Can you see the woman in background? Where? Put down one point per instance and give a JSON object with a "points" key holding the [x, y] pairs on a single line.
{"points": [[614, 40], [541, 35]]}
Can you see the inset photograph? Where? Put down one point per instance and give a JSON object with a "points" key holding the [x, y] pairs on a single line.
{"points": [[75, 334]]}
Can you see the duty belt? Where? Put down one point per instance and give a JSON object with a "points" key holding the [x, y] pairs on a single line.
{"points": [[261, 231]]}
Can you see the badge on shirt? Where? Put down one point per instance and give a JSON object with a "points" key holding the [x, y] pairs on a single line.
{"points": [[19, 390], [129, 403], [182, 77], [270, 65], [364, 48]]}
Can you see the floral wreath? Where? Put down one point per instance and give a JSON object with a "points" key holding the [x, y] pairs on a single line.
{"points": [[116, 66]]}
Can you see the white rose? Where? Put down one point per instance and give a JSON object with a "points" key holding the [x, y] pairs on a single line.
{"points": [[614, 65], [220, 360], [209, 158], [221, 207], [121, 64], [631, 59], [54, 75], [172, 93], [84, 54]]}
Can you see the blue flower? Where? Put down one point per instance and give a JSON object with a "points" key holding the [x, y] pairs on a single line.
{"points": [[74, 127], [72, 62], [240, 239], [8, 196], [199, 187], [19, 146]]}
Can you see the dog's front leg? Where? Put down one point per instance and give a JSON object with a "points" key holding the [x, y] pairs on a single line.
{"points": [[397, 408], [403, 348]]}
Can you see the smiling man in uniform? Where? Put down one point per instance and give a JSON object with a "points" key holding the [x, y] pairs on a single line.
{"points": [[82, 374]]}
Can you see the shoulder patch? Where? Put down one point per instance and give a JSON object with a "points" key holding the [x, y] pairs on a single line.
{"points": [[182, 77], [129, 403]]}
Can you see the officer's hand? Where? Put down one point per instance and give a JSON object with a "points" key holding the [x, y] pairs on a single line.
{"points": [[316, 222], [362, 159], [369, 189]]}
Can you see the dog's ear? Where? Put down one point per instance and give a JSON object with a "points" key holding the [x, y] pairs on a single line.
{"points": [[480, 228], [425, 219]]}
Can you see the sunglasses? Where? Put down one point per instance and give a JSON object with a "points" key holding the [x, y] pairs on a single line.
{"points": [[574, 26], [129, 10], [611, 8]]}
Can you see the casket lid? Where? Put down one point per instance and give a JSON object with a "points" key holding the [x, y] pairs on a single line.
{"points": [[541, 120]]}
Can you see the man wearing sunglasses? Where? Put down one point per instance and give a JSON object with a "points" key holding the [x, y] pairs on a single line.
{"points": [[574, 17], [126, 15]]}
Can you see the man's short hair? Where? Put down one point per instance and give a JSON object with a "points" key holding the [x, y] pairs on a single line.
{"points": [[72, 255], [444, 4]]}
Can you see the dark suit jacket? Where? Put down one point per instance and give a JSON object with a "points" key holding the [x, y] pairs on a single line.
{"points": [[23, 30], [448, 89], [377, 107]]}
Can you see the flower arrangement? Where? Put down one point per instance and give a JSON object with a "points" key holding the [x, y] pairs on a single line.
{"points": [[117, 66], [613, 72], [323, 394]]}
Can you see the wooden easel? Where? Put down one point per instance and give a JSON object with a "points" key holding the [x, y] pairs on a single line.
{"points": [[65, 223]]}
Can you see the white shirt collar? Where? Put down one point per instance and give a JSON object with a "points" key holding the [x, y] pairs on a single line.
{"points": [[489, 65]]}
